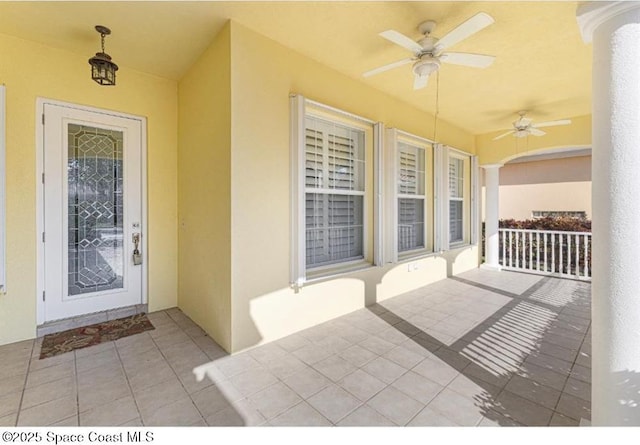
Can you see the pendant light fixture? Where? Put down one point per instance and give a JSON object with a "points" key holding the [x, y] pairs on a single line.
{"points": [[103, 70]]}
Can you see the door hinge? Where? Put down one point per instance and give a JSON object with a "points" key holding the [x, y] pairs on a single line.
{"points": [[44, 298], [42, 118], [43, 237], [43, 178]]}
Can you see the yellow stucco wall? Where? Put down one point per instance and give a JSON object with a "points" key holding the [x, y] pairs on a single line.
{"points": [[32, 70], [562, 184], [263, 75], [205, 191]]}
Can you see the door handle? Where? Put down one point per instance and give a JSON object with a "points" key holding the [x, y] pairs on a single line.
{"points": [[137, 256]]}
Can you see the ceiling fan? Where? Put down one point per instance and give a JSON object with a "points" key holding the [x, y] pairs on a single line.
{"points": [[428, 52], [524, 127]]}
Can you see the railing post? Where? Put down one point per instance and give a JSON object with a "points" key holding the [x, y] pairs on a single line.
{"points": [[492, 216]]}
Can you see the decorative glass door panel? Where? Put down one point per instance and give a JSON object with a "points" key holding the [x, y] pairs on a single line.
{"points": [[92, 211], [95, 209]]}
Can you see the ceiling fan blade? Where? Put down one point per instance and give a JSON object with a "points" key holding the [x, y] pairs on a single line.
{"points": [[536, 132], [552, 123], [503, 135], [387, 67], [401, 40], [420, 82], [468, 59], [464, 30]]}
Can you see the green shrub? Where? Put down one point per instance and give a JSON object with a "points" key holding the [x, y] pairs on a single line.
{"points": [[563, 224]]}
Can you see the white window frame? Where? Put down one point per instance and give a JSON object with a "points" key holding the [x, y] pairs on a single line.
{"points": [[475, 200], [393, 138], [461, 199], [442, 241], [3, 220], [300, 107]]}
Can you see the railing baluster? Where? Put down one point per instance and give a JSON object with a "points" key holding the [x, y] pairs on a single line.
{"points": [[531, 250], [504, 245], [525, 259], [510, 247], [538, 251], [517, 255], [561, 255], [553, 253], [577, 274], [569, 256], [521, 245], [545, 251], [517, 250], [586, 255]]}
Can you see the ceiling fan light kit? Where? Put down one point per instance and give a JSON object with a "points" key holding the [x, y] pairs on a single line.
{"points": [[428, 52], [426, 66]]}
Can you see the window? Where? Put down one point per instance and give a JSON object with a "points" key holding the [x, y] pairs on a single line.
{"points": [[409, 195], [332, 183], [456, 200], [580, 214], [459, 211], [334, 192]]}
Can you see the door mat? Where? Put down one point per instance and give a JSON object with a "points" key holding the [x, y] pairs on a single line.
{"points": [[78, 338]]}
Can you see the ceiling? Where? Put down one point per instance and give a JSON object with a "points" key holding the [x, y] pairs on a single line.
{"points": [[541, 64]]}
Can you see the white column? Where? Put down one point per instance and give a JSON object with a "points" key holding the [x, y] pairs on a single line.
{"points": [[491, 217], [614, 28]]}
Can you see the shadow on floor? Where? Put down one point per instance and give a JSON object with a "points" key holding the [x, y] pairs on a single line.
{"points": [[525, 357]]}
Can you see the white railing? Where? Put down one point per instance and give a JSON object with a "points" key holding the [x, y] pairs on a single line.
{"points": [[547, 252], [406, 237]]}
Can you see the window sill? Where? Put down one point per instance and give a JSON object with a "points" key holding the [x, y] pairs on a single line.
{"points": [[460, 245], [334, 271], [418, 254]]}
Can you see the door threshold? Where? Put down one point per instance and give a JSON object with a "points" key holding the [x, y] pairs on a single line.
{"points": [[65, 324]]}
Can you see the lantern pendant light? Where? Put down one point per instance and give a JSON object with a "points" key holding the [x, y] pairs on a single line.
{"points": [[103, 70]]}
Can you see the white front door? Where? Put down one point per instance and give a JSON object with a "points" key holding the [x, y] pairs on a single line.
{"points": [[92, 191]]}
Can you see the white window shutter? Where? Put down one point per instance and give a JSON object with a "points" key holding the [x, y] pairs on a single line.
{"points": [[437, 198], [391, 203], [298, 178], [456, 183], [3, 284], [379, 207], [475, 200], [334, 192], [441, 163]]}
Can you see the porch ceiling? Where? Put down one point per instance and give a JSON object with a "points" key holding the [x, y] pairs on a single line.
{"points": [[541, 65]]}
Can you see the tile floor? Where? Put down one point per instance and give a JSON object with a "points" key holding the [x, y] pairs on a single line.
{"points": [[482, 348]]}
